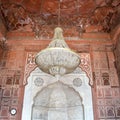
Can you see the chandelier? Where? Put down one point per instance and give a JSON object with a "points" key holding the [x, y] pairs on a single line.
{"points": [[57, 59]]}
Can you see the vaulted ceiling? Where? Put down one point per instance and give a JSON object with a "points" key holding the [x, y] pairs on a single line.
{"points": [[83, 15]]}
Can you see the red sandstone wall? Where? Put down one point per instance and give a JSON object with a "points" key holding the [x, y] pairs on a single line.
{"points": [[106, 89], [11, 89]]}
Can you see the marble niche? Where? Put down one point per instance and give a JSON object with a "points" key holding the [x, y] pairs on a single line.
{"points": [[46, 98]]}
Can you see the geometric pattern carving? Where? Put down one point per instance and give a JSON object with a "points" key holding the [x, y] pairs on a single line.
{"points": [[110, 112], [9, 92], [100, 102], [109, 102], [100, 93], [4, 111], [101, 112], [105, 78], [118, 111], [5, 101], [116, 92], [108, 92], [117, 101]]}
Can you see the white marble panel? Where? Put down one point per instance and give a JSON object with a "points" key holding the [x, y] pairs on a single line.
{"points": [[41, 102]]}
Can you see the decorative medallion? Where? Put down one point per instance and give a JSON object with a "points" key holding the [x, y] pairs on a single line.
{"points": [[38, 81], [77, 82]]}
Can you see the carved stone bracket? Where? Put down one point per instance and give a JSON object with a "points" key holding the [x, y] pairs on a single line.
{"points": [[29, 65], [86, 65]]}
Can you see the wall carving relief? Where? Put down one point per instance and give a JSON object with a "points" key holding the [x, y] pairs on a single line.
{"points": [[86, 65], [108, 97], [10, 80], [52, 100]]}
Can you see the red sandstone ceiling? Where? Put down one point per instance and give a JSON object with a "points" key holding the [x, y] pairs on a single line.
{"points": [[84, 15]]}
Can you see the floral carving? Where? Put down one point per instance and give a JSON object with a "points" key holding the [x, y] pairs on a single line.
{"points": [[86, 65], [30, 65]]}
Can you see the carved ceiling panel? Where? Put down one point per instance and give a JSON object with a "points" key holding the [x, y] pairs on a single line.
{"points": [[104, 15]]}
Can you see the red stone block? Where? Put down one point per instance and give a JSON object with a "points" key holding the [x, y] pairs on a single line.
{"points": [[0, 92], [96, 36], [7, 92], [15, 92], [6, 101], [9, 81], [14, 101], [4, 111], [94, 28]]}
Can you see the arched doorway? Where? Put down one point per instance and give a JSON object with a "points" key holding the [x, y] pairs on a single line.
{"points": [[57, 102]]}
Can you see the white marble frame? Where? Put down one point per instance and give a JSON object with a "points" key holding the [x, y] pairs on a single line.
{"points": [[31, 90]]}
